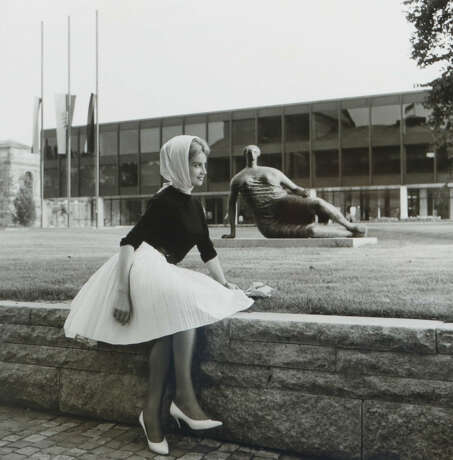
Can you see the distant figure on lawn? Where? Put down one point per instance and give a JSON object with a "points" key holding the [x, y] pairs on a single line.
{"points": [[279, 214]]}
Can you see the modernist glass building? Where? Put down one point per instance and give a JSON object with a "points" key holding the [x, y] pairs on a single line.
{"points": [[373, 157]]}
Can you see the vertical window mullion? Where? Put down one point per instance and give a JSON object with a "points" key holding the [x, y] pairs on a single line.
{"points": [[310, 145], [402, 147], [283, 140], [340, 152], [370, 148], [139, 159]]}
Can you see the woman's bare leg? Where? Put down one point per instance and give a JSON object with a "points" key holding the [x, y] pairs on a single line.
{"points": [[159, 364], [185, 398]]}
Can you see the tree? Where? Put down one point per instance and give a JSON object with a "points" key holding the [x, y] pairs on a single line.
{"points": [[24, 204], [432, 44]]}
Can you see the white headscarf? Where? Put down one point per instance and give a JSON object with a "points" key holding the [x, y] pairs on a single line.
{"points": [[174, 163]]}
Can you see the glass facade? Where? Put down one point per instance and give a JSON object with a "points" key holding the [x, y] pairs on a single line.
{"points": [[150, 173], [129, 175], [270, 140], [128, 141], [108, 177], [243, 133], [108, 163], [444, 166], [150, 139], [297, 144], [149, 161], [418, 152], [195, 127], [86, 167], [51, 176], [170, 129], [219, 161], [356, 152], [129, 159], [108, 142], [325, 144], [355, 139], [215, 210], [386, 136], [130, 211]]}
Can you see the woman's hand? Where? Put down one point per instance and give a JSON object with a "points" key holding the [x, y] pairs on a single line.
{"points": [[229, 285], [215, 269], [122, 311]]}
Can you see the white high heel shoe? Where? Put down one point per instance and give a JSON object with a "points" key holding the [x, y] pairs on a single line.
{"points": [[178, 415], [157, 447]]}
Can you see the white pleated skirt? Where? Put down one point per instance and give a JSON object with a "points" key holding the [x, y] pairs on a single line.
{"points": [[165, 299]]}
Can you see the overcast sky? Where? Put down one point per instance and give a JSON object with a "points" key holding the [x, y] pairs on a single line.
{"points": [[168, 57]]}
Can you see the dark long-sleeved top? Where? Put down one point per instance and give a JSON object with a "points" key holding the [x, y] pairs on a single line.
{"points": [[173, 223]]}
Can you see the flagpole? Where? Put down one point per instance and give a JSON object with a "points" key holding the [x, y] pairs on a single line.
{"points": [[41, 162], [99, 215], [68, 128]]}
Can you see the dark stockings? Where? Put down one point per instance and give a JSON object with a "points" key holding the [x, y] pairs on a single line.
{"points": [[182, 344], [159, 364], [185, 398]]}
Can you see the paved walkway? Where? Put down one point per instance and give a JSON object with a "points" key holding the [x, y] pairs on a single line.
{"points": [[26, 433]]}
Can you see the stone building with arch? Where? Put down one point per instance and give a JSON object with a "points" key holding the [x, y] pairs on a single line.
{"points": [[18, 167]]}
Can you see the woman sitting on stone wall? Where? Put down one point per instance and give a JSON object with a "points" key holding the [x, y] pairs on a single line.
{"points": [[140, 295]]}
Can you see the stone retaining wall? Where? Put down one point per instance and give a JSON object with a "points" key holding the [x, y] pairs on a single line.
{"points": [[329, 386]]}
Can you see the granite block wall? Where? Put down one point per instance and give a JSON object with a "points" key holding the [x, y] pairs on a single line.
{"points": [[325, 386]]}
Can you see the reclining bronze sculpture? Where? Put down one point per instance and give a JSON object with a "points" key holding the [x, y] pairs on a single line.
{"points": [[279, 214]]}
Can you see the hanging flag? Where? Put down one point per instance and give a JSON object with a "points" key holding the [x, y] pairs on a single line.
{"points": [[90, 125], [60, 106], [409, 108], [36, 136], [62, 120]]}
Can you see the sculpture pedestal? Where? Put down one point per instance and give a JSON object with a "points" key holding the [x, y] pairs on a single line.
{"points": [[293, 242]]}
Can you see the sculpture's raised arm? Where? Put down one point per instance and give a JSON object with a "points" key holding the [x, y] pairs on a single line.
{"points": [[290, 185]]}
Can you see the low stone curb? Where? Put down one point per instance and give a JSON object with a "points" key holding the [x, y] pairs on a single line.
{"points": [[294, 242]]}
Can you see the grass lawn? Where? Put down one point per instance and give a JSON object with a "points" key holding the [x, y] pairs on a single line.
{"points": [[408, 274]]}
